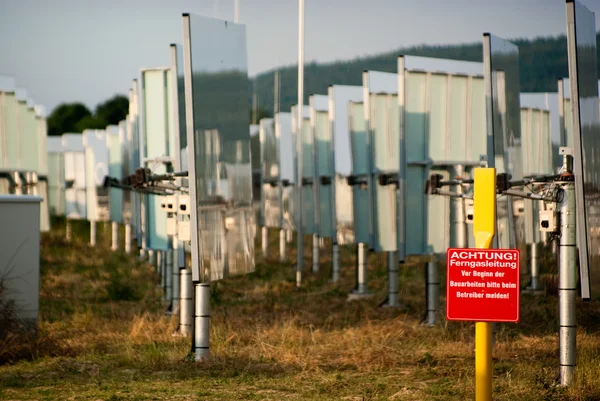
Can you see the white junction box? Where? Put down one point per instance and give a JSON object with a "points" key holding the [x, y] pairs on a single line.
{"points": [[184, 231]]}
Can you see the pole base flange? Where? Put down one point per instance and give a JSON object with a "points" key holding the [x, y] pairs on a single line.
{"points": [[357, 296]]}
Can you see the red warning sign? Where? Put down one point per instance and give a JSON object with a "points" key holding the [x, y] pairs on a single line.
{"points": [[482, 285]]}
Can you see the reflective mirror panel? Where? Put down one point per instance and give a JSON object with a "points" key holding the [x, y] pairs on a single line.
{"points": [[115, 158], [28, 140], [157, 133], [501, 61], [56, 184], [360, 171], [537, 160], [131, 208], [177, 85], [442, 118], [324, 162], [583, 79], [11, 129], [549, 102], [287, 169], [412, 100], [256, 179], [305, 140], [269, 174], [75, 192], [56, 176], [384, 130], [96, 168], [339, 97], [308, 167], [216, 86]]}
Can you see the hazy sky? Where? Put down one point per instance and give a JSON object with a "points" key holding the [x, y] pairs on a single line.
{"points": [[84, 50]]}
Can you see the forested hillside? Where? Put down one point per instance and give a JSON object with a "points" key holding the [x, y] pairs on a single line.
{"points": [[542, 61]]}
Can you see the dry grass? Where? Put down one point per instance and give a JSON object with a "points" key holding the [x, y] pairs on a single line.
{"points": [[270, 341]]}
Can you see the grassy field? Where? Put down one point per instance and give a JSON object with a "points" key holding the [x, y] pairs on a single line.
{"points": [[103, 335]]}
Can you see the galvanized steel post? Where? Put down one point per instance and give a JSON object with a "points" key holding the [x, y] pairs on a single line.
{"points": [[92, 233], [127, 238], [202, 321], [361, 290], [282, 245], [567, 277], [315, 253], [115, 236], [69, 230], [169, 277], [393, 284], [300, 119], [335, 263], [186, 306], [433, 291]]}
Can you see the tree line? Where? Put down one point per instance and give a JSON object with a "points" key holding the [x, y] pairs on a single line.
{"points": [[542, 61]]}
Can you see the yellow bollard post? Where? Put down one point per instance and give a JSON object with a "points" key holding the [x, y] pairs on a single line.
{"points": [[484, 229]]}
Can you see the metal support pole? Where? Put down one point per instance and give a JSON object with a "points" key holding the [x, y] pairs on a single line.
{"points": [[175, 277], [150, 256], [322, 243], [168, 257], [315, 254], [92, 233], [69, 230], [361, 290], [393, 283], [282, 245], [186, 306], [335, 269], [160, 264], [128, 238], [265, 241], [567, 289], [299, 145], [460, 223], [115, 236], [433, 292], [201, 321], [289, 236], [534, 284]]}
